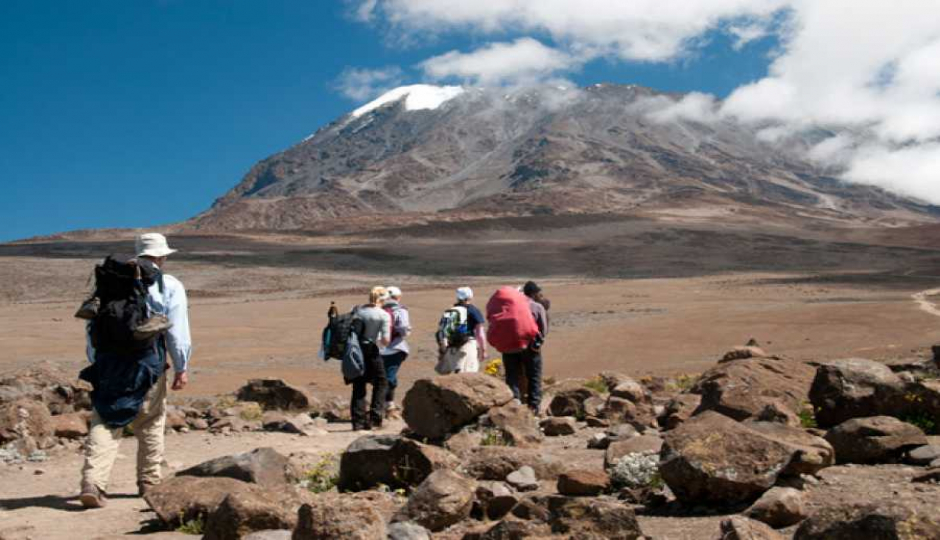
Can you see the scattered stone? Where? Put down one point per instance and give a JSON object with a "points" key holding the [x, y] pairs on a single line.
{"points": [[631, 390], [569, 397], [780, 507], [599, 441], [878, 439], [678, 410], [713, 459], [263, 466], [595, 422], [557, 426], [464, 441], [269, 535], [636, 445], [187, 498], [743, 352], [742, 528], [300, 424], [434, 408], [496, 462], [359, 516], [199, 424], [28, 422], [523, 479], [390, 460], [855, 388], [495, 499], [593, 518], [594, 406], [242, 513], [175, 419], [811, 453], [234, 423], [517, 424], [443, 499], [276, 394], [46, 383], [740, 389], [932, 476], [583, 483], [884, 519], [71, 425], [513, 529], [924, 455], [777, 412], [406, 530]]}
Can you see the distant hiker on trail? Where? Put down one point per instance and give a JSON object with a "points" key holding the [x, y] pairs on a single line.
{"points": [[138, 315], [460, 336], [397, 351], [373, 328], [518, 326]]}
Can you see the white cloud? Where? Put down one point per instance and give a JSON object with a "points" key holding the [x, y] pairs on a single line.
{"points": [[747, 32], [362, 84], [695, 107], [524, 60]]}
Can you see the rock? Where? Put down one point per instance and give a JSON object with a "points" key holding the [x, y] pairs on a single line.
{"points": [[678, 410], [497, 462], [269, 535], [27, 421], [61, 393], [276, 394], [742, 528], [186, 498], [263, 466], [434, 408], [233, 423], [495, 499], [199, 424], [300, 424], [885, 519], [811, 453], [621, 432], [780, 507], [70, 426], [595, 422], [330, 516], [599, 441], [336, 411], [932, 476], [713, 459], [774, 411], [593, 518], [557, 426], [390, 460], [740, 389], [569, 397], [855, 388], [924, 455], [242, 513], [638, 444], [743, 352], [879, 439], [407, 530], [620, 410], [517, 424], [583, 483], [594, 406], [464, 441], [175, 419], [512, 529], [443, 499], [523, 479], [630, 390]]}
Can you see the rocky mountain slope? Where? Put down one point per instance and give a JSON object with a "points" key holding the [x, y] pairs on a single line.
{"points": [[606, 148]]}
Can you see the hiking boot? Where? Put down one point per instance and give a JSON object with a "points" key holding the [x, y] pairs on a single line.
{"points": [[92, 497], [89, 309], [152, 327]]}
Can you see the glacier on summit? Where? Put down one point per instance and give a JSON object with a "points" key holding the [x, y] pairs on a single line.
{"points": [[417, 97]]}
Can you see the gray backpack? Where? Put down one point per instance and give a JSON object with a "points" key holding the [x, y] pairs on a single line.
{"points": [[354, 362]]}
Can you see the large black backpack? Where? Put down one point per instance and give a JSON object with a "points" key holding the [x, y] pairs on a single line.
{"points": [[121, 285], [337, 332]]}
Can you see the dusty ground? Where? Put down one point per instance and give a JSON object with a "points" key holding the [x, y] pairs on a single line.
{"points": [[629, 296]]}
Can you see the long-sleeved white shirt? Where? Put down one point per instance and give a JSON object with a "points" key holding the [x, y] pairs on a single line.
{"points": [[173, 303]]}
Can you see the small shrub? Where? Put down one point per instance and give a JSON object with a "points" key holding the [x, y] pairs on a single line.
{"points": [[807, 416], [636, 470], [493, 437], [193, 526], [683, 382], [322, 477], [926, 424], [250, 412], [598, 384], [495, 368], [226, 402]]}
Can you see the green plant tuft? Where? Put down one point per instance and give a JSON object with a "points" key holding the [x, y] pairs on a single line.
{"points": [[926, 424], [493, 437], [192, 526], [807, 416], [598, 384], [323, 476]]}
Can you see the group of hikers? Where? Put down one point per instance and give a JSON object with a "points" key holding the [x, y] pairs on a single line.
{"points": [[372, 342], [138, 329]]}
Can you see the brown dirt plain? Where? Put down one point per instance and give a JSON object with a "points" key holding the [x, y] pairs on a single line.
{"points": [[633, 295]]}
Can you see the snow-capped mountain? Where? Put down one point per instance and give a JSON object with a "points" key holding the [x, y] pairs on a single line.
{"points": [[607, 148]]}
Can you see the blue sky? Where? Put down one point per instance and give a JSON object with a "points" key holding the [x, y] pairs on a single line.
{"points": [[125, 113]]}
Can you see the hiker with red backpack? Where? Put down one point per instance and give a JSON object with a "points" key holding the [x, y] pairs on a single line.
{"points": [[460, 336], [137, 317], [518, 324], [397, 350]]}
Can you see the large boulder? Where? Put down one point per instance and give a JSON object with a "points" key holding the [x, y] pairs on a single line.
{"points": [[517, 424], [390, 460], [882, 519], [678, 410], [780, 507], [810, 453], [714, 459], [275, 394], [443, 499], [497, 462], [434, 408], [741, 389], [185, 498], [640, 444], [559, 426], [242, 513], [358, 516], [579, 517], [629, 389], [855, 388], [28, 422], [620, 410], [878, 439], [263, 466], [568, 398], [742, 528]]}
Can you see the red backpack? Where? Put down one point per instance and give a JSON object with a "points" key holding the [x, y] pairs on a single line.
{"points": [[510, 323]]}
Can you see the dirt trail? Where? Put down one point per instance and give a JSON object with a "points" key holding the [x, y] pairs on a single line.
{"points": [[923, 300]]}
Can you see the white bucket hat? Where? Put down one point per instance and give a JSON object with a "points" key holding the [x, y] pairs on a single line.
{"points": [[152, 245], [393, 292], [464, 294]]}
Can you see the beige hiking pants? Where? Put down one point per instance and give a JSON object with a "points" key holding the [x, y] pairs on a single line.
{"points": [[103, 442]]}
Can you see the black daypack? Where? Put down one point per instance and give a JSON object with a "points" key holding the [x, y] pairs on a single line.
{"points": [[121, 286], [336, 334]]}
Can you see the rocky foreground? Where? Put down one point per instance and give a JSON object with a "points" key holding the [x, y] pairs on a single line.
{"points": [[758, 447]]}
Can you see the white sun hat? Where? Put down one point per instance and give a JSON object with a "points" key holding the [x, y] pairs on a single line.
{"points": [[394, 292], [152, 245], [464, 294]]}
